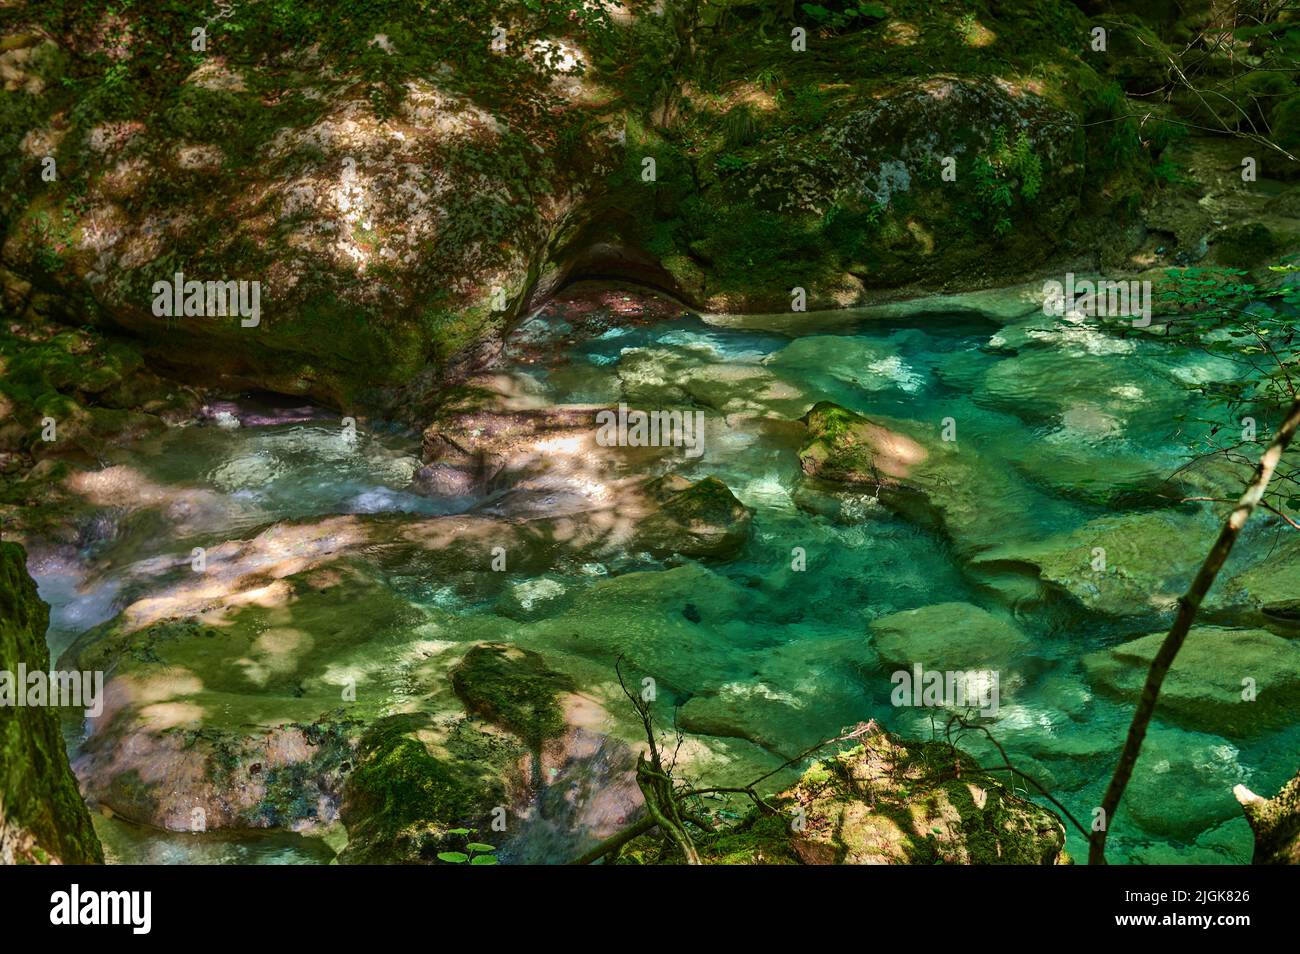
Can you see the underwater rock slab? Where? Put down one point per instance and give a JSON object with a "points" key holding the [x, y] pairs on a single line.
{"points": [[1182, 783], [1126, 565], [1236, 682], [948, 636]]}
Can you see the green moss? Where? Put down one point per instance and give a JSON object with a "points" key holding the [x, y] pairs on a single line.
{"points": [[400, 800], [512, 688], [839, 446], [38, 794]]}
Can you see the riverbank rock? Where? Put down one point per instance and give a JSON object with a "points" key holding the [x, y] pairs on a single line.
{"points": [[1237, 682], [403, 198], [1275, 822], [890, 801], [43, 819]]}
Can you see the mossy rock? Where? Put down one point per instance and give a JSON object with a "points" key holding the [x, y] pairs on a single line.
{"points": [[1245, 246], [888, 801], [894, 802], [702, 519], [847, 448], [1275, 822], [401, 801], [512, 688]]}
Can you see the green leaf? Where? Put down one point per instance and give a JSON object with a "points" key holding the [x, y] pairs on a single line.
{"points": [[484, 860], [454, 857], [479, 846], [459, 831]]}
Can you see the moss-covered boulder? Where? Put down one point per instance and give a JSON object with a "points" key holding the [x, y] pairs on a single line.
{"points": [[700, 519], [42, 816], [512, 688], [409, 799], [1245, 246], [894, 802], [404, 188], [889, 801], [847, 448]]}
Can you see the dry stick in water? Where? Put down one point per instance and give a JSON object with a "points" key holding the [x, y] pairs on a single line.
{"points": [[1188, 605]]}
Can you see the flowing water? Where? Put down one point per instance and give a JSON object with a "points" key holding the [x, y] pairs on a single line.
{"points": [[1055, 418]]}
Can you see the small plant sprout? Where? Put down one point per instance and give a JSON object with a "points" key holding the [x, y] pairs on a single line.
{"points": [[475, 853]]}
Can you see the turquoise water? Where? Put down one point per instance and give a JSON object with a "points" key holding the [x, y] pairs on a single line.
{"points": [[1053, 420]]}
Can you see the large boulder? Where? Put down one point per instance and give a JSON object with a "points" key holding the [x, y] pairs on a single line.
{"points": [[42, 817], [891, 801], [404, 190]]}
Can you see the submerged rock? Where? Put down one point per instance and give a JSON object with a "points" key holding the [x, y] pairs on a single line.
{"points": [[701, 519], [533, 599], [1182, 783], [42, 817], [948, 636], [1125, 565], [1236, 682]]}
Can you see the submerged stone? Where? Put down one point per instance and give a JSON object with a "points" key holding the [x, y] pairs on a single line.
{"points": [[1236, 682], [948, 636], [701, 519]]}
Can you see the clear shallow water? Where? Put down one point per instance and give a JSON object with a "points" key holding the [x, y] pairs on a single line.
{"points": [[1037, 408]]}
